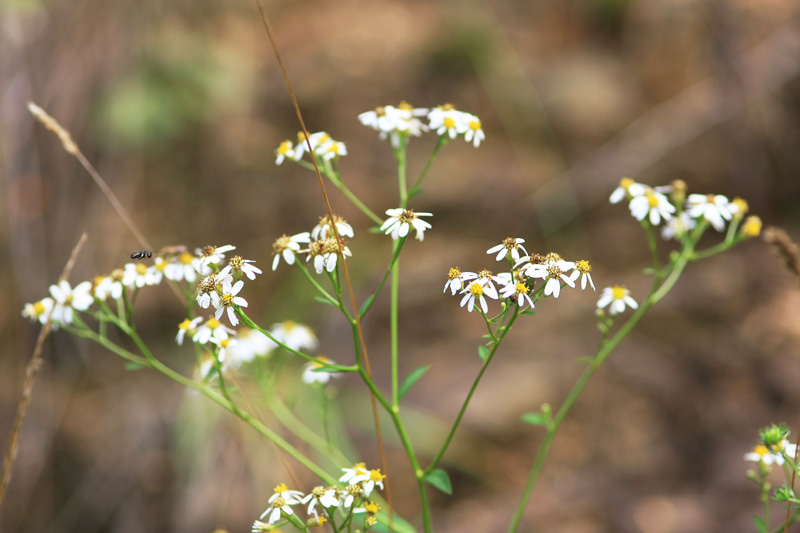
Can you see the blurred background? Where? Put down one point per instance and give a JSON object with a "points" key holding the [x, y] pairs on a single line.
{"points": [[180, 106]]}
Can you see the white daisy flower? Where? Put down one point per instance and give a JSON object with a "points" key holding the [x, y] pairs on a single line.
{"points": [[207, 292], [555, 272], [332, 150], [137, 275], [316, 139], [325, 496], [713, 207], [252, 344], [401, 220], [229, 299], [290, 496], [447, 120], [627, 189], [653, 203], [678, 226], [509, 246], [224, 345], [761, 454], [155, 272], [261, 527], [65, 299], [286, 247], [181, 268], [375, 479], [277, 506], [618, 297], [311, 375], [210, 255], [40, 310], [518, 292], [585, 273], [454, 281], [101, 287], [239, 266], [325, 254], [478, 291], [353, 491], [323, 229], [212, 329], [474, 133], [187, 327], [354, 475], [295, 336], [286, 149]]}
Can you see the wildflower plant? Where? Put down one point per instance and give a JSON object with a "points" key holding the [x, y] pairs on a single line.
{"points": [[520, 280]]}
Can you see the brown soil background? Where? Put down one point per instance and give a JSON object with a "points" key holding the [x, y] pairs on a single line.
{"points": [[180, 106]]}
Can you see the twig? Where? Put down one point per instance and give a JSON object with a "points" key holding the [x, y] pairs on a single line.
{"points": [[30, 375]]}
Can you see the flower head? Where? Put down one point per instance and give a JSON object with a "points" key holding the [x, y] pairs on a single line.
{"points": [[39, 311], [295, 336], [509, 247], [187, 327], [651, 203], [181, 268], [325, 496], [618, 297], [286, 149], [474, 133], [210, 255], [65, 299], [715, 208], [238, 266], [286, 247], [229, 299], [312, 374], [212, 329], [627, 189], [323, 229], [401, 221], [585, 270], [252, 344]]}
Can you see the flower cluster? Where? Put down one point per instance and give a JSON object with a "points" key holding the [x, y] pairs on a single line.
{"points": [[323, 502], [518, 285], [323, 145], [322, 247], [405, 120], [679, 212]]}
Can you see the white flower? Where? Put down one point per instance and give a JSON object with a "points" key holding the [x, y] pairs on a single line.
{"points": [[181, 268], [224, 345], [280, 502], [212, 329], [474, 131], [761, 454], [714, 208], [207, 292], [295, 336], [316, 140], [39, 311], [323, 229], [229, 299], [326, 497], [555, 271], [618, 297], [252, 344], [355, 474], [394, 122], [311, 375], [518, 292], [447, 120], [137, 275], [654, 203], [510, 246], [238, 265], [155, 272], [187, 326], [677, 226], [286, 247], [400, 222], [210, 255], [585, 271], [286, 149], [476, 290], [333, 149], [627, 188], [454, 281], [375, 478], [353, 491], [325, 254], [260, 527], [66, 299]]}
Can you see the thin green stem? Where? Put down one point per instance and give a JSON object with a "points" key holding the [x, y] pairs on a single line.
{"points": [[471, 392], [394, 328], [418, 183]]}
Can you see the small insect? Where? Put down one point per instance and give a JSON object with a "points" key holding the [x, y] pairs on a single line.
{"points": [[142, 254]]}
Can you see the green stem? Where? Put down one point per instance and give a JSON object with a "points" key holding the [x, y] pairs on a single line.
{"points": [[394, 329], [400, 154], [657, 292], [418, 183], [471, 392], [371, 298], [336, 179], [315, 283]]}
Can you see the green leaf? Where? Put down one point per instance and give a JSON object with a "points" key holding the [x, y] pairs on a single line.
{"points": [[415, 191], [528, 312], [325, 300], [762, 527], [412, 378], [367, 303], [439, 479], [399, 524], [374, 229], [130, 365], [483, 352], [535, 419]]}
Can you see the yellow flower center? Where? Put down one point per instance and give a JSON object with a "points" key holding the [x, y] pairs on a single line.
{"points": [[449, 122], [476, 289], [617, 292], [284, 148], [475, 125]]}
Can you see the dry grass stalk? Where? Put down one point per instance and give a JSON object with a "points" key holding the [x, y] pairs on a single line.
{"points": [[30, 374], [783, 245]]}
